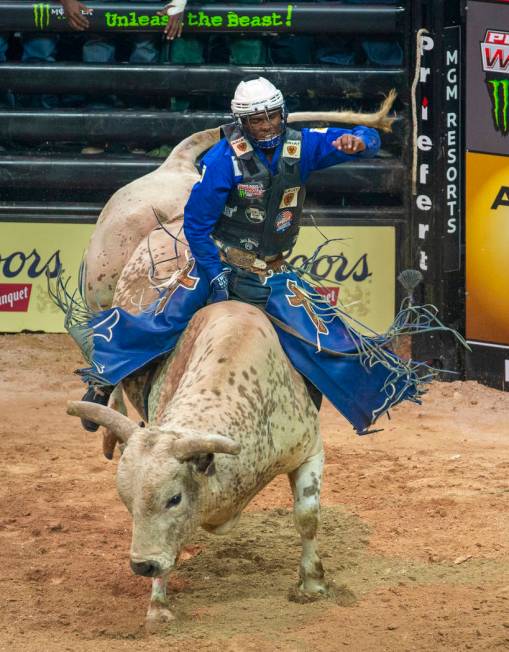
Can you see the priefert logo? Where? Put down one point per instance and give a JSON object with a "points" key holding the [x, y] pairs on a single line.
{"points": [[15, 297]]}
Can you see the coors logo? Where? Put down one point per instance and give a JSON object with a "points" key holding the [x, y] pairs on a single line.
{"points": [[15, 297]]}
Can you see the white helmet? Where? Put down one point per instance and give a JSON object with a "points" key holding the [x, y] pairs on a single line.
{"points": [[258, 96], [255, 96]]}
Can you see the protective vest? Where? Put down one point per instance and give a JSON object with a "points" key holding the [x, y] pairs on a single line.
{"points": [[262, 212]]}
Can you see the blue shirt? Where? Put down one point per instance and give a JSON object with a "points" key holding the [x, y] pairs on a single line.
{"points": [[208, 196]]}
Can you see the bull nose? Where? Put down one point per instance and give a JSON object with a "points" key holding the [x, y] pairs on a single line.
{"points": [[147, 568]]}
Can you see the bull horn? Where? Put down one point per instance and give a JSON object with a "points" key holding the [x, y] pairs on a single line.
{"points": [[122, 426], [188, 447]]}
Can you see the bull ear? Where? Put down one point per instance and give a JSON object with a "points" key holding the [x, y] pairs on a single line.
{"points": [[196, 444], [120, 425]]}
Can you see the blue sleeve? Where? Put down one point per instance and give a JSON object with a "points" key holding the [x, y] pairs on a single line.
{"points": [[318, 152], [205, 205]]}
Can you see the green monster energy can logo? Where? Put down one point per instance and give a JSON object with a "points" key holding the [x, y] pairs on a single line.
{"points": [[41, 15], [499, 93]]}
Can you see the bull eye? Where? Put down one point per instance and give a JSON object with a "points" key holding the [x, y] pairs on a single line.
{"points": [[173, 501]]}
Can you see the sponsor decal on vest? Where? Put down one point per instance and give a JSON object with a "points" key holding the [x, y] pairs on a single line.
{"points": [[236, 168], [255, 215], [289, 199], [240, 146], [229, 211], [291, 149], [250, 190], [249, 243], [283, 221], [320, 130]]}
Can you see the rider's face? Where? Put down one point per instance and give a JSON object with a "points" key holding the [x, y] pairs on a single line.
{"points": [[264, 125]]}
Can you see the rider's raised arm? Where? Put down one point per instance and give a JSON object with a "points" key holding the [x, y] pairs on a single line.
{"points": [[322, 148]]}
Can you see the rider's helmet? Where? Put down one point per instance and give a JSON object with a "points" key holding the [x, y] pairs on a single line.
{"points": [[254, 97]]}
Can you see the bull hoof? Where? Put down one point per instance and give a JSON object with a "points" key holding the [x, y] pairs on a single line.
{"points": [[300, 595], [339, 594], [158, 617]]}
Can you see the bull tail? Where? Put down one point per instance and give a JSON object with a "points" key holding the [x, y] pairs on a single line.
{"points": [[187, 151], [380, 119]]}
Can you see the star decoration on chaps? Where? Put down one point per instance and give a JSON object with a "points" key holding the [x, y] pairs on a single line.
{"points": [[299, 299]]}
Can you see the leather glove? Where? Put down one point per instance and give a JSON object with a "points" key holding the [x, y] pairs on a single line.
{"points": [[219, 287]]}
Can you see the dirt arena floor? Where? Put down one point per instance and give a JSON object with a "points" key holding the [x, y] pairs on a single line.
{"points": [[415, 533]]}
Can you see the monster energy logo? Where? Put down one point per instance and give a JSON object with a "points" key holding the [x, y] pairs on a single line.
{"points": [[41, 15], [499, 93]]}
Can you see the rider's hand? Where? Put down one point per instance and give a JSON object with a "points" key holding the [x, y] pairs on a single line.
{"points": [[72, 11], [175, 12], [219, 287], [349, 144]]}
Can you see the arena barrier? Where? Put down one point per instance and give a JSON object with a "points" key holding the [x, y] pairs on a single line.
{"points": [[405, 190]]}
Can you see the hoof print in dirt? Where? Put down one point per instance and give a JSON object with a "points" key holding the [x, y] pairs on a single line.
{"points": [[342, 595]]}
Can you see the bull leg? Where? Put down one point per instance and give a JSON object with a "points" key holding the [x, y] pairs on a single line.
{"points": [[305, 482], [158, 613]]}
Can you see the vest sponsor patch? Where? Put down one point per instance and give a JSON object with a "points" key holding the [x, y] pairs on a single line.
{"points": [[236, 168], [229, 211], [291, 149], [249, 244], [283, 221], [320, 130], [255, 215], [241, 146], [289, 198], [250, 190]]}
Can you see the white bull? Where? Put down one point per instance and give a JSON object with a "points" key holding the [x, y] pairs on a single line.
{"points": [[227, 413]]}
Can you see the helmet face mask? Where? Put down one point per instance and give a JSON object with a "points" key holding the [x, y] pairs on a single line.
{"points": [[264, 129], [258, 108]]}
